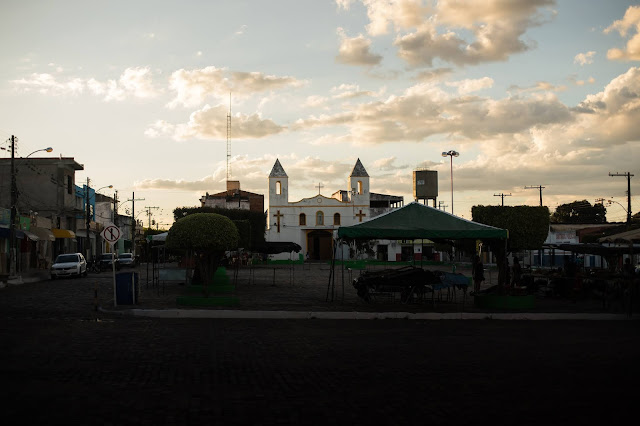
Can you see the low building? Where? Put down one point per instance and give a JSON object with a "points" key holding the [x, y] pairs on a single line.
{"points": [[46, 190], [234, 198]]}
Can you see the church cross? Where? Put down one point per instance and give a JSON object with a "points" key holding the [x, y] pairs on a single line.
{"points": [[278, 216], [320, 185], [361, 215]]}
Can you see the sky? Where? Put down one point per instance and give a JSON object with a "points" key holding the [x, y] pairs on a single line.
{"points": [[529, 92]]}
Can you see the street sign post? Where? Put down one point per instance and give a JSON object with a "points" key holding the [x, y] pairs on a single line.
{"points": [[111, 234]]}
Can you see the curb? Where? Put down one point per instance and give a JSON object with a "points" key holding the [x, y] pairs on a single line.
{"points": [[429, 316]]}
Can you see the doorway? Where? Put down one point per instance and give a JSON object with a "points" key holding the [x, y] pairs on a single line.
{"points": [[319, 245]]}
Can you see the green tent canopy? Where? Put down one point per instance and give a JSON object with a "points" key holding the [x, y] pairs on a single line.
{"points": [[418, 221]]}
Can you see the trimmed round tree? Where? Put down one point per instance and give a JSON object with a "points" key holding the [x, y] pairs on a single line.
{"points": [[208, 235]]}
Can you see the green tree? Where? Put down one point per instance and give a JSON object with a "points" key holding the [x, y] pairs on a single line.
{"points": [[580, 212], [208, 236], [528, 229], [251, 225]]}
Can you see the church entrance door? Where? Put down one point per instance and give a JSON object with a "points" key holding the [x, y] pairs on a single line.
{"points": [[319, 245]]}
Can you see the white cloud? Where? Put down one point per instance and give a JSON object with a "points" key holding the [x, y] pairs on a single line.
{"points": [[210, 123], [47, 84], [471, 85], [193, 87], [426, 31], [134, 82], [315, 101], [355, 51], [425, 110], [631, 51], [540, 86], [241, 30], [584, 58]]}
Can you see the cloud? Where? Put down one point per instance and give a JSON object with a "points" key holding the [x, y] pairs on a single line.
{"points": [[241, 30], [631, 51], [426, 110], [574, 79], [355, 51], [471, 85], [539, 86], [426, 31], [315, 101], [47, 84], [253, 174], [612, 115], [193, 87], [210, 123], [433, 74], [133, 82], [388, 164], [351, 91], [584, 58]]}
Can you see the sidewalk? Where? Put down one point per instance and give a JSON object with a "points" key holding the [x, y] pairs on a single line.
{"points": [[28, 276]]}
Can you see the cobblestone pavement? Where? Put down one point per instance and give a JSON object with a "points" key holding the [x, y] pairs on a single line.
{"points": [[301, 288], [61, 362]]}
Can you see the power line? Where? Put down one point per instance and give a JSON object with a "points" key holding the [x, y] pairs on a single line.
{"points": [[628, 176], [540, 187], [502, 195]]}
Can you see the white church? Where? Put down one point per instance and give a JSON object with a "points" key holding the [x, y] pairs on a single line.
{"points": [[313, 222]]}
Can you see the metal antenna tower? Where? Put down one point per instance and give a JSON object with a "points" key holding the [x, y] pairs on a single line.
{"points": [[229, 140]]}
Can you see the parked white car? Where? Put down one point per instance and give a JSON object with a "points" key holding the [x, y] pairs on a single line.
{"points": [[67, 265], [126, 259]]}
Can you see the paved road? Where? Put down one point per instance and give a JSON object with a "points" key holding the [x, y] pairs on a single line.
{"points": [[63, 363]]}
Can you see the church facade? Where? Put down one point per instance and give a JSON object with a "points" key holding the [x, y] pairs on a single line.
{"points": [[313, 222]]}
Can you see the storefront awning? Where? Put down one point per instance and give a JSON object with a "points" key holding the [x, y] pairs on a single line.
{"points": [[43, 233], [31, 236], [82, 233], [63, 233]]}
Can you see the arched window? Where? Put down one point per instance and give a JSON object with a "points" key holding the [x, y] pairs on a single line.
{"points": [[336, 219], [278, 188], [359, 187], [303, 219], [319, 218]]}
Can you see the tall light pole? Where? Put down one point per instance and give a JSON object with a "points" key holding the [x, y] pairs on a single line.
{"points": [[451, 154]]}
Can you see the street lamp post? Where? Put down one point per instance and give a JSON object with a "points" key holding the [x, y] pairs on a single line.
{"points": [[451, 154]]}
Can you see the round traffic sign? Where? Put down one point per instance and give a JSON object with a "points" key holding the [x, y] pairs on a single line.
{"points": [[111, 234]]}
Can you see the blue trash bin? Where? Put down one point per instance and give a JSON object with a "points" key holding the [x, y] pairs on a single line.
{"points": [[127, 288]]}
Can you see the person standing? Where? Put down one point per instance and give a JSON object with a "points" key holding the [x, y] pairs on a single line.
{"points": [[516, 276], [477, 272]]}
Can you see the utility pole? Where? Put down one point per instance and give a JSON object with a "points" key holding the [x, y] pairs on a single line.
{"points": [[88, 219], [149, 213], [502, 195], [599, 201], [442, 206], [540, 187], [14, 201], [133, 222], [628, 176], [115, 208]]}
